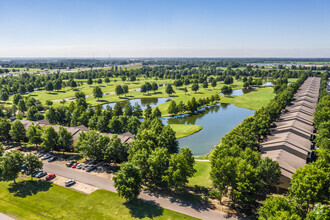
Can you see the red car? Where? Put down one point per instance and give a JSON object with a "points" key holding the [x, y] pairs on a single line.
{"points": [[50, 176], [19, 148], [75, 165]]}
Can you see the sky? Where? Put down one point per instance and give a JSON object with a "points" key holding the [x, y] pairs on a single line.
{"points": [[171, 28]]}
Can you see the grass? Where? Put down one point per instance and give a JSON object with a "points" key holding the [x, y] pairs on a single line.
{"points": [[202, 176], [185, 130], [253, 100], [43, 200]]}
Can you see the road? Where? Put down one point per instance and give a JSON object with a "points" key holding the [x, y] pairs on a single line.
{"points": [[156, 199], [5, 217]]}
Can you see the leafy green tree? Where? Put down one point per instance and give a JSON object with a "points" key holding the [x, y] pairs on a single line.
{"points": [[115, 125], [4, 96], [89, 81], [34, 134], [167, 139], [49, 103], [310, 185], [179, 170], [11, 164], [119, 90], [276, 207], [148, 111], [226, 90], [92, 145], [49, 86], [154, 87], [32, 113], [65, 140], [137, 110], [169, 90], [49, 138], [143, 88], [5, 127], [133, 125], [32, 164], [21, 105], [116, 151], [97, 92], [107, 80], [17, 131], [22, 89], [125, 89], [16, 98], [320, 212], [2, 151], [205, 85], [156, 113], [117, 110], [192, 105], [269, 174], [185, 90], [228, 80], [214, 83], [128, 181], [158, 164], [181, 107], [195, 87], [57, 85], [172, 109]]}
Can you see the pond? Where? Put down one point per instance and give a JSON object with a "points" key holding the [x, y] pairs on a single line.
{"points": [[217, 120], [143, 102], [238, 92]]}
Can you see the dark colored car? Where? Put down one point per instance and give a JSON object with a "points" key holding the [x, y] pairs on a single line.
{"points": [[50, 176], [52, 159], [90, 168], [69, 164]]}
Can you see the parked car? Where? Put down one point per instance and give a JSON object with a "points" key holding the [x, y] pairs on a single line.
{"points": [[74, 165], [19, 148], [69, 164], [90, 168], [52, 159], [40, 154], [50, 176], [45, 157], [69, 182], [80, 166], [41, 174]]}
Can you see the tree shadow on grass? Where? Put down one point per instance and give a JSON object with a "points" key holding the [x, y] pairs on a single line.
{"points": [[102, 100], [29, 187], [144, 209]]}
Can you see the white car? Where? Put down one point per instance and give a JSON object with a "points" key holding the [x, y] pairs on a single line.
{"points": [[47, 156], [70, 182], [80, 166]]}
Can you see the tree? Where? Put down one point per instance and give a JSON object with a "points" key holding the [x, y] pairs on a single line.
{"points": [[180, 169], [195, 87], [107, 80], [137, 110], [32, 164], [119, 90], [169, 90], [115, 125], [49, 138], [269, 174], [32, 113], [89, 81], [158, 164], [310, 185], [128, 181], [148, 111], [205, 85], [11, 164], [4, 96], [49, 86], [192, 105], [172, 109], [320, 212], [116, 151], [143, 88], [214, 83], [117, 110], [125, 89], [63, 101], [34, 134], [185, 90], [58, 84], [228, 80], [21, 105], [154, 87], [65, 140], [156, 113], [16, 98], [22, 89], [276, 206], [49, 103], [226, 90], [17, 131], [5, 127], [92, 145], [2, 151], [97, 92]]}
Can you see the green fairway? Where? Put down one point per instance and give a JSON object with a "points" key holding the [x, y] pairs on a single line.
{"points": [[185, 130], [253, 100], [43, 200], [202, 176]]}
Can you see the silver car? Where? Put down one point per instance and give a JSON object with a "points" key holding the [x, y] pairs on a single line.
{"points": [[70, 182]]}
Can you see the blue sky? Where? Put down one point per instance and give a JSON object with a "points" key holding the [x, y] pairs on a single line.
{"points": [[178, 28]]}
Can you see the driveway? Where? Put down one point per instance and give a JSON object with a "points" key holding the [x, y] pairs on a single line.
{"points": [[156, 199]]}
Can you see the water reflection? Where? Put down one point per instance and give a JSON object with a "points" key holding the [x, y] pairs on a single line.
{"points": [[216, 120], [143, 102]]}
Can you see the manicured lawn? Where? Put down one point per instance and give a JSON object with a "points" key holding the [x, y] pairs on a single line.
{"points": [[185, 130], [253, 100], [202, 176], [43, 200]]}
